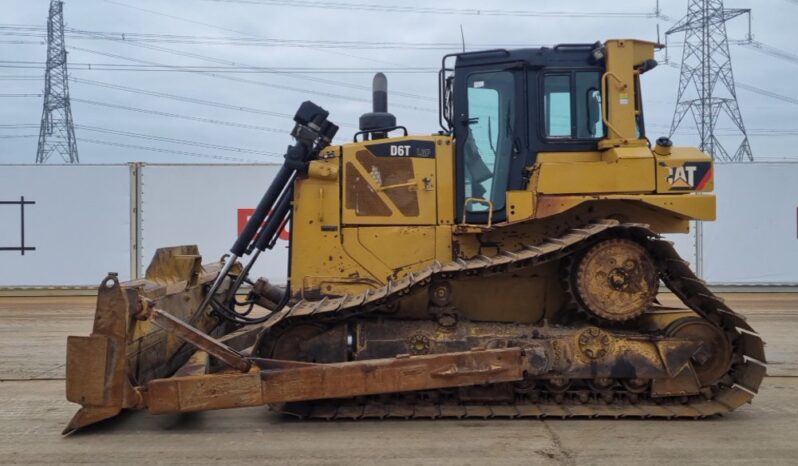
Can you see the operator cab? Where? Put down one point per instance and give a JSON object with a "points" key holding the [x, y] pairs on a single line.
{"points": [[506, 106]]}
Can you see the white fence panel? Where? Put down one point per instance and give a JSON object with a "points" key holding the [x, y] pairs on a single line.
{"points": [[204, 205], [754, 241], [76, 217]]}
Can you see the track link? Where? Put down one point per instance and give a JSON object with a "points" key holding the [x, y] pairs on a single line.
{"points": [[734, 389]]}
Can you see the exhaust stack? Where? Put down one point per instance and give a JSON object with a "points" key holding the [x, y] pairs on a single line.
{"points": [[379, 121]]}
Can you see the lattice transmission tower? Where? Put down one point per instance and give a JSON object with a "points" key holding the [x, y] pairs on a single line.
{"points": [[57, 132], [706, 85]]}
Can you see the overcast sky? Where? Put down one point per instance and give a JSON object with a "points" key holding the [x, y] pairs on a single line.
{"points": [[255, 100]]}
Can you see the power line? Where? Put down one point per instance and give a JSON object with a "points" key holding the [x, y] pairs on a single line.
{"points": [[22, 42], [440, 11], [214, 26], [257, 83], [185, 99], [168, 151], [151, 138], [772, 51], [263, 42], [767, 93], [215, 40], [293, 75], [176, 141], [20, 78], [757, 46], [182, 117], [19, 125], [180, 98], [19, 136], [20, 95], [86, 66], [212, 121], [755, 90]]}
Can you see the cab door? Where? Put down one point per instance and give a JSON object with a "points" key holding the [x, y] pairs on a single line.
{"points": [[489, 127]]}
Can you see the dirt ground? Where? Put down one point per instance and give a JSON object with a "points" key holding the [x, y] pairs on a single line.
{"points": [[33, 411]]}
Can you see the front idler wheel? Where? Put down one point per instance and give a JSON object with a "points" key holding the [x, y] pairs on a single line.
{"points": [[713, 358]]}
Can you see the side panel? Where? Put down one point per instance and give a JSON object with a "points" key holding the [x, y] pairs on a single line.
{"points": [[390, 182], [390, 252], [627, 170], [319, 263], [376, 220]]}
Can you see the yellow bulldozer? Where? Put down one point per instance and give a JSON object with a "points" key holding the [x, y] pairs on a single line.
{"points": [[507, 266]]}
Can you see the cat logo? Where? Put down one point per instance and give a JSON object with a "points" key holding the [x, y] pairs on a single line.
{"points": [[681, 177], [690, 176]]}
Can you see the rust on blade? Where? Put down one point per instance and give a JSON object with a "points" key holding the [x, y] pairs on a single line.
{"points": [[196, 365], [325, 381], [106, 370], [95, 366]]}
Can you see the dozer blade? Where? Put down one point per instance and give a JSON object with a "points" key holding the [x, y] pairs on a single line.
{"points": [[140, 356], [124, 351]]}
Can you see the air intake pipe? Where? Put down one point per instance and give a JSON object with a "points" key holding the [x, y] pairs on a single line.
{"points": [[379, 121]]}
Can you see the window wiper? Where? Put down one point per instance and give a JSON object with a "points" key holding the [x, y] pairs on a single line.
{"points": [[508, 122], [511, 132], [490, 139]]}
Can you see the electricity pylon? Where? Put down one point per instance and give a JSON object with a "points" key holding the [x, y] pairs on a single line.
{"points": [[57, 132], [706, 85]]}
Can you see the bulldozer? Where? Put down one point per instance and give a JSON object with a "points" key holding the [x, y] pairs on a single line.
{"points": [[507, 266]]}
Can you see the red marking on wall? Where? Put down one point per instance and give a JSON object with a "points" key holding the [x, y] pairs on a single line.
{"points": [[243, 218]]}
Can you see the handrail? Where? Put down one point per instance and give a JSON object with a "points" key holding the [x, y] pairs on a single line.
{"points": [[478, 200], [605, 99]]}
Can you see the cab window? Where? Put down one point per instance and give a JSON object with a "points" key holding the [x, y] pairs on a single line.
{"points": [[489, 142], [557, 102], [572, 106]]}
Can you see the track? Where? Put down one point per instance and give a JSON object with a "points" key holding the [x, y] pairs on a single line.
{"points": [[737, 387]]}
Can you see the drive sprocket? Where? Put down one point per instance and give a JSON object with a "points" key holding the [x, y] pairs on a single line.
{"points": [[616, 280]]}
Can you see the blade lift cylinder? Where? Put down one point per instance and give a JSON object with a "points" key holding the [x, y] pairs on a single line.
{"points": [[311, 133]]}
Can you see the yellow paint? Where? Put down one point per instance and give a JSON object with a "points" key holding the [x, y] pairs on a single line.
{"points": [[323, 169], [687, 207], [339, 249], [568, 157], [618, 89], [617, 170], [386, 252], [335, 251], [317, 255], [443, 244], [444, 166], [520, 205]]}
